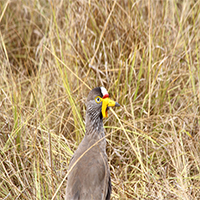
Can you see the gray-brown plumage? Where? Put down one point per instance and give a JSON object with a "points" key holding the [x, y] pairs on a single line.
{"points": [[89, 178]]}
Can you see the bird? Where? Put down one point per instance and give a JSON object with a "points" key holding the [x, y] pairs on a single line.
{"points": [[89, 174]]}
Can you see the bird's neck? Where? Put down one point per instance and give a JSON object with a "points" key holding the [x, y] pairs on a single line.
{"points": [[94, 127]]}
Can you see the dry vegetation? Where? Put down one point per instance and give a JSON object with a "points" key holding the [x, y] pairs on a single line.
{"points": [[146, 53]]}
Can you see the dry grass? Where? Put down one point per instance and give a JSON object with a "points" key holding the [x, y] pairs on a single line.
{"points": [[146, 53]]}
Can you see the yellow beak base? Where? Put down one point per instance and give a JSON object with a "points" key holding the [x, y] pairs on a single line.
{"points": [[107, 103]]}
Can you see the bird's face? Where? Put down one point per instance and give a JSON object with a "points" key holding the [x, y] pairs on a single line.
{"points": [[98, 102]]}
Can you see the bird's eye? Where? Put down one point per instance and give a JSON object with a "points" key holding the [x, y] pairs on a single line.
{"points": [[98, 99]]}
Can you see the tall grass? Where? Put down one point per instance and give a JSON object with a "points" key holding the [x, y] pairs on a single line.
{"points": [[146, 53]]}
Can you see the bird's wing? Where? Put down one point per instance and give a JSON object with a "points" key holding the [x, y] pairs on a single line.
{"points": [[90, 177]]}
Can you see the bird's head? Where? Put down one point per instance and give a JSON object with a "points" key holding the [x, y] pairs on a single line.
{"points": [[98, 103]]}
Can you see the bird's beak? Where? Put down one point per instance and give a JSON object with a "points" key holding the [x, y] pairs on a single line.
{"points": [[106, 103]]}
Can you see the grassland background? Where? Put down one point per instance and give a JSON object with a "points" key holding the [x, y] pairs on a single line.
{"points": [[146, 53]]}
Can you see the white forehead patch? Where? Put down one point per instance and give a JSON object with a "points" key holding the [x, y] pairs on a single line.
{"points": [[103, 90]]}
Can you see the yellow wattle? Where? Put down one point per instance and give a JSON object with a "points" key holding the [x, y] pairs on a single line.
{"points": [[105, 104]]}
